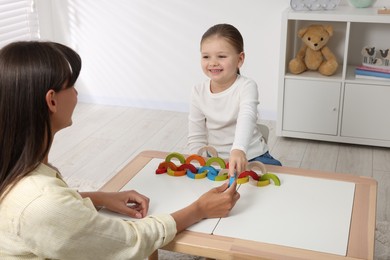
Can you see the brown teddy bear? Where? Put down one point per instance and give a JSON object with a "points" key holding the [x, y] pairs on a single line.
{"points": [[314, 54]]}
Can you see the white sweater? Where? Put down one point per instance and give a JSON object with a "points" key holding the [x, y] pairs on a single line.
{"points": [[226, 120]]}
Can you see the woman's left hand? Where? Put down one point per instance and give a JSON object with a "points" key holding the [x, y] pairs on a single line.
{"points": [[130, 203]]}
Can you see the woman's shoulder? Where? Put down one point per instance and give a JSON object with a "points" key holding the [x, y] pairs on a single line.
{"points": [[42, 184], [44, 176], [43, 179]]}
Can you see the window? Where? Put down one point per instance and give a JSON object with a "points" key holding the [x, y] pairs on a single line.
{"points": [[18, 21]]}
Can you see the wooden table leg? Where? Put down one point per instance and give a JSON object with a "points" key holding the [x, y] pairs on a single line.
{"points": [[154, 255]]}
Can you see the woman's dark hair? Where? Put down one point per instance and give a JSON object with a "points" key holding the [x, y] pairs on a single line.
{"points": [[28, 70], [229, 32]]}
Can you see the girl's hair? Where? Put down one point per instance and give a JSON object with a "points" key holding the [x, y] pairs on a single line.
{"points": [[229, 32], [28, 70]]}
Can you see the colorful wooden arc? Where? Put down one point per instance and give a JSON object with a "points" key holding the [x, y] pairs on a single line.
{"points": [[207, 169]]}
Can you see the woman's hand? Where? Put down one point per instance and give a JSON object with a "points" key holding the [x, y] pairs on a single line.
{"points": [[237, 162], [215, 203], [218, 202], [130, 203]]}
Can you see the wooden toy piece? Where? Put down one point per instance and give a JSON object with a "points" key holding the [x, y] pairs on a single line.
{"points": [[222, 175], [249, 173], [231, 180], [167, 165], [176, 173], [209, 169], [210, 151], [178, 156], [196, 157], [256, 165], [163, 167], [263, 183], [161, 170], [199, 175], [271, 176], [218, 160], [187, 166], [384, 10], [243, 180]]}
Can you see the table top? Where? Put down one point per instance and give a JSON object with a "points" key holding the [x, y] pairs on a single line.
{"points": [[361, 236]]}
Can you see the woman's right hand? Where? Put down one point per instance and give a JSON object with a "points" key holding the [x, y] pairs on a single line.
{"points": [[218, 202], [215, 203]]}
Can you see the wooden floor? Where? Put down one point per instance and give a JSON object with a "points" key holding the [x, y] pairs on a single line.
{"points": [[103, 139]]}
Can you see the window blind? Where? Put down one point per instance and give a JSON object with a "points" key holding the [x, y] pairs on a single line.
{"points": [[18, 21]]}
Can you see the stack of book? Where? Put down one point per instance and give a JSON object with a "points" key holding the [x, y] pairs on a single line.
{"points": [[372, 72]]}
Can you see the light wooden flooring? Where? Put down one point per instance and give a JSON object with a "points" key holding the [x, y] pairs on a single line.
{"points": [[103, 139]]}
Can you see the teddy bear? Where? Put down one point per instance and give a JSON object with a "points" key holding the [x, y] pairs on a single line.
{"points": [[314, 54]]}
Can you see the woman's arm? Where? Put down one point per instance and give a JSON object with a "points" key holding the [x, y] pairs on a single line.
{"points": [[215, 203]]}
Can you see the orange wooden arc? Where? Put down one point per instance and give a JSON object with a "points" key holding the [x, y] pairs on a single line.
{"points": [[196, 157]]}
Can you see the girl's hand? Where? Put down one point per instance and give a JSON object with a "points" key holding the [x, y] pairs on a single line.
{"points": [[237, 162], [130, 203]]}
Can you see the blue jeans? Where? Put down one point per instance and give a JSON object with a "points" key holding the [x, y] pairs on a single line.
{"points": [[266, 159]]}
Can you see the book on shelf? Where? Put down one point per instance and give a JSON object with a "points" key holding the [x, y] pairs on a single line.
{"points": [[384, 69], [372, 74], [371, 77]]}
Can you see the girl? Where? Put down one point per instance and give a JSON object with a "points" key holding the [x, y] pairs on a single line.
{"points": [[41, 217], [223, 111]]}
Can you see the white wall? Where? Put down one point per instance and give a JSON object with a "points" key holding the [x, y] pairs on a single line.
{"points": [[146, 52]]}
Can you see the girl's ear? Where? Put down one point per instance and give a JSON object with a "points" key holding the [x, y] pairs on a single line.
{"points": [[51, 101], [241, 58]]}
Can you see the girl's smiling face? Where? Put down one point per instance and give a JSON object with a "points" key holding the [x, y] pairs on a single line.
{"points": [[220, 62]]}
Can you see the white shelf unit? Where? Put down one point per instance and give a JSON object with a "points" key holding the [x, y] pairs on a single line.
{"points": [[337, 108]]}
